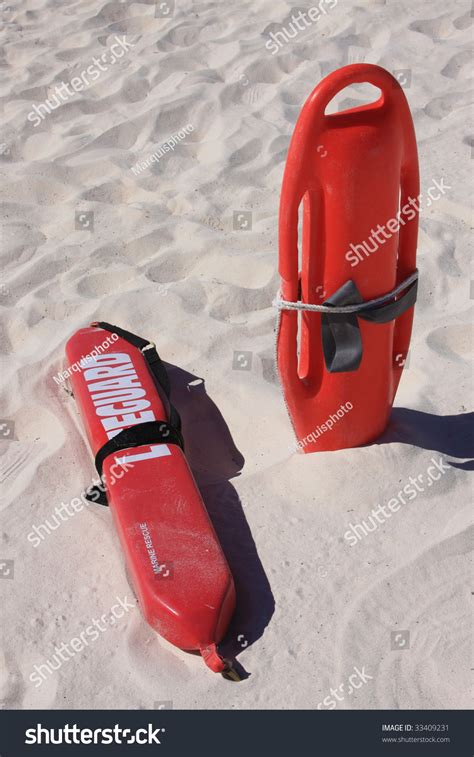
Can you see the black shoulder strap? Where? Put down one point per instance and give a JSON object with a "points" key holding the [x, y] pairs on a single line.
{"points": [[155, 365], [152, 432]]}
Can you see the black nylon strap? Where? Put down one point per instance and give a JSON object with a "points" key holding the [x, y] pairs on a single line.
{"points": [[390, 311], [152, 432], [342, 342], [155, 365]]}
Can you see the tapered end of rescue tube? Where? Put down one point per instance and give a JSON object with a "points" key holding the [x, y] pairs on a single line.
{"points": [[218, 664], [230, 673]]}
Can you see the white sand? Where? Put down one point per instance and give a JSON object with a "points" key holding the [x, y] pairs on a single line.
{"points": [[164, 260]]}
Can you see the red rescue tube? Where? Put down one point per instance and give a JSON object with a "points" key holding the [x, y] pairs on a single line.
{"points": [[176, 564], [351, 171]]}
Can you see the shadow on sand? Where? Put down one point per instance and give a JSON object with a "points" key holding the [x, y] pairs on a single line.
{"points": [[214, 460], [451, 435]]}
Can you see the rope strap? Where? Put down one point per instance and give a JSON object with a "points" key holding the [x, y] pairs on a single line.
{"points": [[343, 309], [341, 338]]}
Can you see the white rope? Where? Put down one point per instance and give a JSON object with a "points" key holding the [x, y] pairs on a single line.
{"points": [[287, 305]]}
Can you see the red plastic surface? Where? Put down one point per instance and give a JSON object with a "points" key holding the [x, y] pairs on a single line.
{"points": [[352, 171], [176, 564]]}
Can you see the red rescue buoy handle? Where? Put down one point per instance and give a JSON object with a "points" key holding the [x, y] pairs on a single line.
{"points": [[298, 178]]}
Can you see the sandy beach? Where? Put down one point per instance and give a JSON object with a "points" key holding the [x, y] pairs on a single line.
{"points": [[142, 150]]}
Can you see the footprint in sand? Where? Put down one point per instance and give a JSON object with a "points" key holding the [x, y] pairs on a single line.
{"points": [[171, 268], [135, 88], [184, 35], [240, 300], [456, 65], [454, 342], [122, 137], [246, 154], [443, 106], [108, 282], [434, 28]]}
